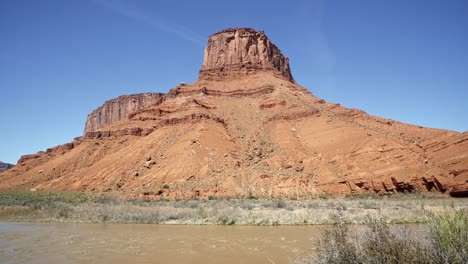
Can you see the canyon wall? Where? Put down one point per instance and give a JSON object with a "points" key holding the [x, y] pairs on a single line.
{"points": [[118, 109]]}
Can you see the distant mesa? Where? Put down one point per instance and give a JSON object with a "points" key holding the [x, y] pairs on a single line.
{"points": [[245, 128], [5, 166]]}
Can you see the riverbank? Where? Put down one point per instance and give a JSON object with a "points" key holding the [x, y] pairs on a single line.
{"points": [[66, 207], [445, 241]]}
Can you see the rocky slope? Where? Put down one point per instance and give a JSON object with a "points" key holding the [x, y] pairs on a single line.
{"points": [[5, 166], [245, 128]]}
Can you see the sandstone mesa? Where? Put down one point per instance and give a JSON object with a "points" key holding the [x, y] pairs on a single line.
{"points": [[244, 128], [5, 166]]}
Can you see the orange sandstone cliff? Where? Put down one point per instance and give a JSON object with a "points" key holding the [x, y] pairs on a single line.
{"points": [[244, 128]]}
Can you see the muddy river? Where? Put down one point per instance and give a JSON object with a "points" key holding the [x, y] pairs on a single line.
{"points": [[129, 243]]}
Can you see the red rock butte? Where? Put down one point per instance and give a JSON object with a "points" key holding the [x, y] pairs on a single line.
{"points": [[238, 52], [244, 128]]}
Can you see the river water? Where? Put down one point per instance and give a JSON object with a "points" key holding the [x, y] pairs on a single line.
{"points": [[130, 243]]}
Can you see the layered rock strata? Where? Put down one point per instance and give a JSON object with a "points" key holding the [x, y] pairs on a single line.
{"points": [[242, 51], [119, 108], [245, 129]]}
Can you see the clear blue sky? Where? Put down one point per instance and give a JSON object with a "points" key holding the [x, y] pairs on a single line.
{"points": [[406, 60]]}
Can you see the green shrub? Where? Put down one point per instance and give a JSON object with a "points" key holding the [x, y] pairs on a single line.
{"points": [[378, 244], [381, 244], [225, 220], [336, 244], [281, 204], [449, 236]]}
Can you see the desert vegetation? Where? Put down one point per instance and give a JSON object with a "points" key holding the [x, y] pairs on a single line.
{"points": [[86, 208], [447, 241]]}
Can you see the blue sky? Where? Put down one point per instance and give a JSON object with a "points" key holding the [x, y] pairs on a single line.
{"points": [[59, 60]]}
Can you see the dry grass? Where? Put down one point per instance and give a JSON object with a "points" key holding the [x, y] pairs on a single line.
{"points": [[449, 236], [78, 207], [448, 242]]}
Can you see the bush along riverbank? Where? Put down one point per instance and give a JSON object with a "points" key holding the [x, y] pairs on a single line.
{"points": [[447, 242], [87, 208]]}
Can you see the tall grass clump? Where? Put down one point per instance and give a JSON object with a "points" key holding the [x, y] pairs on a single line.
{"points": [[337, 245], [447, 242], [449, 236], [378, 244]]}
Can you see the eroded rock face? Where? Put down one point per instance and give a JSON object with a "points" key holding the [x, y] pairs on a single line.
{"points": [[245, 129], [118, 109], [241, 51]]}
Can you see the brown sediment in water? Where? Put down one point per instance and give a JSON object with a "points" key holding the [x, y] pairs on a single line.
{"points": [[84, 243]]}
